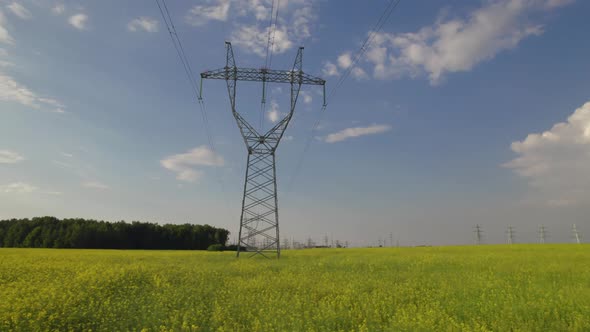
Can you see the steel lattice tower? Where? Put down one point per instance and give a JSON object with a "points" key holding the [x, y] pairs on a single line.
{"points": [[542, 234], [477, 232], [510, 233], [576, 234], [260, 212]]}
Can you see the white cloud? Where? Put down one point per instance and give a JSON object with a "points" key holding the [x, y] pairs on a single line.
{"points": [[273, 114], [303, 19], [24, 188], [19, 10], [556, 162], [78, 21], [455, 45], [10, 157], [359, 73], [12, 91], [95, 185], [251, 19], [18, 187], [143, 23], [51, 102], [5, 37], [212, 10], [356, 132], [62, 164], [58, 9], [330, 69], [254, 39], [184, 164], [259, 8], [344, 60], [307, 98]]}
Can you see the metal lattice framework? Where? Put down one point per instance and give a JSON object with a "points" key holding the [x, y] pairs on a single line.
{"points": [[260, 214]]}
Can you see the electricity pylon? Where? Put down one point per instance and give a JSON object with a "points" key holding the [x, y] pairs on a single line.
{"points": [[477, 232], [542, 234], [576, 234], [510, 233], [260, 211]]}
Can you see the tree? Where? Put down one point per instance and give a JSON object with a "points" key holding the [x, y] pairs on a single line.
{"points": [[50, 232]]}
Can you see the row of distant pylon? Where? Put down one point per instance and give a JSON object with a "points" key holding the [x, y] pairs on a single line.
{"points": [[510, 232]]}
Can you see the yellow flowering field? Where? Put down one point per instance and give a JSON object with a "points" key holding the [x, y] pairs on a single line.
{"points": [[469, 288]]}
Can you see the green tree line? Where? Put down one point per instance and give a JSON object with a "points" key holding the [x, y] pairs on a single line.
{"points": [[51, 232]]}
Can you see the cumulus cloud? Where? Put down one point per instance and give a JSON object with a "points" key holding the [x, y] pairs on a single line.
{"points": [[10, 157], [274, 113], [303, 19], [143, 23], [212, 10], [254, 39], [18, 187], [95, 185], [58, 9], [251, 19], [78, 21], [356, 132], [13, 91], [307, 98], [556, 162], [456, 44], [184, 164], [359, 73], [19, 10], [344, 60], [5, 37], [330, 69], [24, 188]]}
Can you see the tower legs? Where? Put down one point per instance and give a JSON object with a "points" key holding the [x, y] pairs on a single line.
{"points": [[259, 221]]}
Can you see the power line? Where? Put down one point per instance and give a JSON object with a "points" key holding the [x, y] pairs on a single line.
{"points": [[269, 52], [263, 102], [191, 78], [272, 6], [365, 45], [385, 15], [274, 30]]}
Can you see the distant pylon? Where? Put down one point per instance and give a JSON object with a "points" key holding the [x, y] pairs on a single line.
{"points": [[576, 234], [542, 234], [477, 232], [510, 233]]}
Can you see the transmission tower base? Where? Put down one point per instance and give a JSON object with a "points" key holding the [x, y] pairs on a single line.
{"points": [[259, 221]]}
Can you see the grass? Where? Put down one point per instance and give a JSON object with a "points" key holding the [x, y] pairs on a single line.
{"points": [[470, 288]]}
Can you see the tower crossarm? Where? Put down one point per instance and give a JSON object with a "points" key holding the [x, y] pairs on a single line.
{"points": [[262, 75]]}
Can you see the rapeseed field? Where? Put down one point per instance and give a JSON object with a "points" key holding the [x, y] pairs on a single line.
{"points": [[469, 288]]}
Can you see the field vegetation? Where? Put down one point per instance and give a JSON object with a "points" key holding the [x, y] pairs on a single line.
{"points": [[470, 288]]}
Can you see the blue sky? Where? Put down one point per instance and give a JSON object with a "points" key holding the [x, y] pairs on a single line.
{"points": [[458, 113]]}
